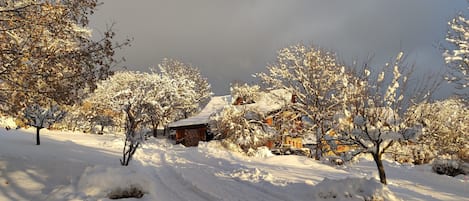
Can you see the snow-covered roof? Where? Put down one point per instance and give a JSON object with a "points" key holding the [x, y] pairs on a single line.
{"points": [[215, 105], [265, 102], [270, 101]]}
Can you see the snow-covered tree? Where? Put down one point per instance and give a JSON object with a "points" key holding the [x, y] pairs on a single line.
{"points": [[373, 106], [47, 52], [145, 99], [241, 126], [456, 55], [445, 123], [315, 78], [244, 94], [127, 92], [180, 71], [41, 117]]}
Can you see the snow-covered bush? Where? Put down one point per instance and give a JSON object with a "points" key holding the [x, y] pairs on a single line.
{"points": [[114, 183], [445, 123], [352, 189], [235, 126], [449, 167], [130, 192], [411, 152]]}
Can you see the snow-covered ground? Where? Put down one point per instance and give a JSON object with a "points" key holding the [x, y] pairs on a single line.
{"points": [[75, 166]]}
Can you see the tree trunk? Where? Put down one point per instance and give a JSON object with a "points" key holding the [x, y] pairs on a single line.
{"points": [[38, 142], [379, 165]]}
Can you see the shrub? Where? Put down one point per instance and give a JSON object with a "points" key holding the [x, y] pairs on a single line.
{"points": [[131, 192], [448, 167]]}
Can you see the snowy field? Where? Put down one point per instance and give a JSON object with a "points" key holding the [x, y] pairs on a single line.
{"points": [[74, 166]]}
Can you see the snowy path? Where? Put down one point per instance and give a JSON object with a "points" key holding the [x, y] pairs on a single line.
{"points": [[192, 176]]}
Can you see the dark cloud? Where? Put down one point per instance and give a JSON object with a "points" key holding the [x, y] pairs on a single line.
{"points": [[230, 40]]}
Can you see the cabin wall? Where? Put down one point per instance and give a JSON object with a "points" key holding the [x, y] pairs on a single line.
{"points": [[191, 136]]}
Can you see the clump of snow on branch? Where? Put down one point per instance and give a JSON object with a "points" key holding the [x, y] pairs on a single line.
{"points": [[245, 93], [456, 55]]}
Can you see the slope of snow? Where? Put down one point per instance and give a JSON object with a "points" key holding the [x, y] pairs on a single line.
{"points": [[72, 166]]}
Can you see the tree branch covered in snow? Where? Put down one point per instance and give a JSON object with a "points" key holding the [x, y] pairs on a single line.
{"points": [[457, 54], [47, 53]]}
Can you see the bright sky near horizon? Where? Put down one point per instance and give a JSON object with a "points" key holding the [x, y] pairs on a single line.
{"points": [[230, 40]]}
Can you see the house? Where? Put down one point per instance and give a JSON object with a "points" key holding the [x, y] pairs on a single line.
{"points": [[263, 107], [194, 129]]}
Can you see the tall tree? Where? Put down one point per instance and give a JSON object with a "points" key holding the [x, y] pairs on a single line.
{"points": [[127, 92], [456, 55], [178, 70], [315, 77], [47, 53]]}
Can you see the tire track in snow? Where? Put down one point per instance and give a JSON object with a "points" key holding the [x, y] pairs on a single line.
{"points": [[174, 184], [184, 183], [243, 186]]}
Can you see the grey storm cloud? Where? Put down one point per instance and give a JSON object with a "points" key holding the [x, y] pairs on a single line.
{"points": [[230, 40]]}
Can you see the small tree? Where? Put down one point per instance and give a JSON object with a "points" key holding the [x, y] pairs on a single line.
{"points": [[373, 107], [40, 117], [127, 92]]}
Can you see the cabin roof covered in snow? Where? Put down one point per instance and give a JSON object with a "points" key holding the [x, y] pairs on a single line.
{"points": [[270, 101], [215, 105]]}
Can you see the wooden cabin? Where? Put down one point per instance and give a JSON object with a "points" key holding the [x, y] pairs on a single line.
{"points": [[192, 130]]}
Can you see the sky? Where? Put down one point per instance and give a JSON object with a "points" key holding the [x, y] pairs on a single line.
{"points": [[231, 40]]}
